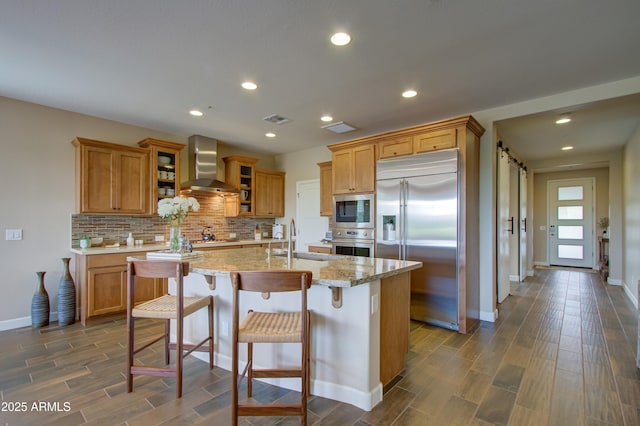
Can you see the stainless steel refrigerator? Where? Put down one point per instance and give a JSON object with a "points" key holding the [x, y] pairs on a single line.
{"points": [[417, 219]]}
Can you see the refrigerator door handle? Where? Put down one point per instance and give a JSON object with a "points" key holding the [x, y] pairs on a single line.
{"points": [[405, 192]]}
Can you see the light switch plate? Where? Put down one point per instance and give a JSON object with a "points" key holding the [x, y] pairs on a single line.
{"points": [[159, 238], [13, 234]]}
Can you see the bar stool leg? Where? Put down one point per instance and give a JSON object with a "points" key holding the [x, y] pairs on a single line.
{"points": [[130, 349], [249, 369], [167, 356], [210, 332]]}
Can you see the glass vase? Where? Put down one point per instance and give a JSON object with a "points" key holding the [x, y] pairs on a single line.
{"points": [[174, 239]]}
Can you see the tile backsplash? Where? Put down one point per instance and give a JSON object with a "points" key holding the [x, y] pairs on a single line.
{"points": [[116, 228]]}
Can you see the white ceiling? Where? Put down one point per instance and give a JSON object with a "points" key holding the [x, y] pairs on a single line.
{"points": [[147, 62]]}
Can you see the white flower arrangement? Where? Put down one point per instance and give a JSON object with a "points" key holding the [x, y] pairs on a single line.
{"points": [[176, 209]]}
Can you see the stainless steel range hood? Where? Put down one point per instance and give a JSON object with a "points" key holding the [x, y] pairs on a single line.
{"points": [[203, 168]]}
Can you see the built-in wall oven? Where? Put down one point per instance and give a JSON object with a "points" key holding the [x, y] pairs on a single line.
{"points": [[353, 211], [353, 242]]}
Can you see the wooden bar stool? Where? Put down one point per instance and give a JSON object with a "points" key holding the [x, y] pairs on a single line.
{"points": [[168, 308], [270, 327]]}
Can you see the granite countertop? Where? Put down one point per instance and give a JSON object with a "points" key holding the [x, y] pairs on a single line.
{"points": [[163, 246], [329, 270]]}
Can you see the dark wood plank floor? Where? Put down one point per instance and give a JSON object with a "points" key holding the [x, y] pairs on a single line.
{"points": [[562, 353]]}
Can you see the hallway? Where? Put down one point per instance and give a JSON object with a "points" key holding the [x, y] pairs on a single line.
{"points": [[562, 352]]}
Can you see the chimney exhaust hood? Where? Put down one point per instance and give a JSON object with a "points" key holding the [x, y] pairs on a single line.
{"points": [[203, 168]]}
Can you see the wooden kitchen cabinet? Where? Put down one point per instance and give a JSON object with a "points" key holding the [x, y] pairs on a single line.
{"points": [[353, 169], [326, 189], [102, 284], [164, 177], [240, 172], [395, 147], [269, 193], [319, 249], [111, 178], [434, 140]]}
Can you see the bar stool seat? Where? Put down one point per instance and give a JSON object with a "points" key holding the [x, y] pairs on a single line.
{"points": [[166, 307], [270, 327]]}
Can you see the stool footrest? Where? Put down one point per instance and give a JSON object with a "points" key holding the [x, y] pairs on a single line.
{"points": [[269, 410], [276, 373], [153, 371]]}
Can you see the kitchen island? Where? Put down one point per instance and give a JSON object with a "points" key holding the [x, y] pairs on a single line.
{"points": [[360, 318], [100, 274]]}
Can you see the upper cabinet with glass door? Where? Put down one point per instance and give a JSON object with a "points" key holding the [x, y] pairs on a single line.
{"points": [[165, 170]]}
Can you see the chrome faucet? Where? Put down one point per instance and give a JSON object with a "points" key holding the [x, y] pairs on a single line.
{"points": [[292, 233]]}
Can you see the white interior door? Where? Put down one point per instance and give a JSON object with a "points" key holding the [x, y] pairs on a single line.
{"points": [[523, 225], [310, 225], [504, 228], [570, 219]]}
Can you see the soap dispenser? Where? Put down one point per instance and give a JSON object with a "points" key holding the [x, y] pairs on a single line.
{"points": [[130, 240]]}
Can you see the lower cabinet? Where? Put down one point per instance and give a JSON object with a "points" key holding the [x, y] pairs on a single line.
{"points": [[102, 285]]}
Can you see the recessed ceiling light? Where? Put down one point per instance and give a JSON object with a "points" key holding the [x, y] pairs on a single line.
{"points": [[196, 113], [567, 148], [563, 119], [270, 135], [249, 85], [340, 39], [326, 118], [409, 93]]}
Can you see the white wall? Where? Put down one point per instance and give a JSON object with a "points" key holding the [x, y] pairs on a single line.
{"points": [[631, 216], [38, 195], [300, 166]]}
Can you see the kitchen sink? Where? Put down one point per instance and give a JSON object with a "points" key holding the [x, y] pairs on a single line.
{"points": [[321, 257]]}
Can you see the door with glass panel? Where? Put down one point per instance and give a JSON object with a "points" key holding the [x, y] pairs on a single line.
{"points": [[571, 227]]}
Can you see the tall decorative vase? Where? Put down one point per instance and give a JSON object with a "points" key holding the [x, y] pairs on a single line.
{"points": [[66, 297], [174, 238], [40, 304]]}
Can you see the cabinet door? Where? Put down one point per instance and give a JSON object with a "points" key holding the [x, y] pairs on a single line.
{"points": [[148, 289], [96, 180], [435, 140], [395, 147], [132, 182], [276, 183], [107, 290], [263, 202], [269, 194], [113, 181], [364, 169], [326, 189], [342, 171]]}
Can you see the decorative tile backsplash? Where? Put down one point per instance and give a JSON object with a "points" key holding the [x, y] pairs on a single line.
{"points": [[116, 228]]}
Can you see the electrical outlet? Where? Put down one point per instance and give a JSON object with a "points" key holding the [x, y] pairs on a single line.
{"points": [[265, 234], [225, 328], [13, 234], [232, 235], [159, 238]]}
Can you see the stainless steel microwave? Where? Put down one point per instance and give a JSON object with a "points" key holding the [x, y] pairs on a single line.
{"points": [[354, 211]]}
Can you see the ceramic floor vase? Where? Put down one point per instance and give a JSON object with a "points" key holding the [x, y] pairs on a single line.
{"points": [[66, 296], [40, 304]]}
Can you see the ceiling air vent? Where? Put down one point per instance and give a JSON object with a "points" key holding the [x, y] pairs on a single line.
{"points": [[339, 127], [276, 119]]}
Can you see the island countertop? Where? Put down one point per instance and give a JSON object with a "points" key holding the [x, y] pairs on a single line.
{"points": [[328, 270]]}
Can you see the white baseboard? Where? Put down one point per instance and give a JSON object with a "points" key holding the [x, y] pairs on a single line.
{"points": [[539, 263], [630, 295], [363, 400], [515, 278], [489, 316], [613, 281], [14, 323], [530, 273]]}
